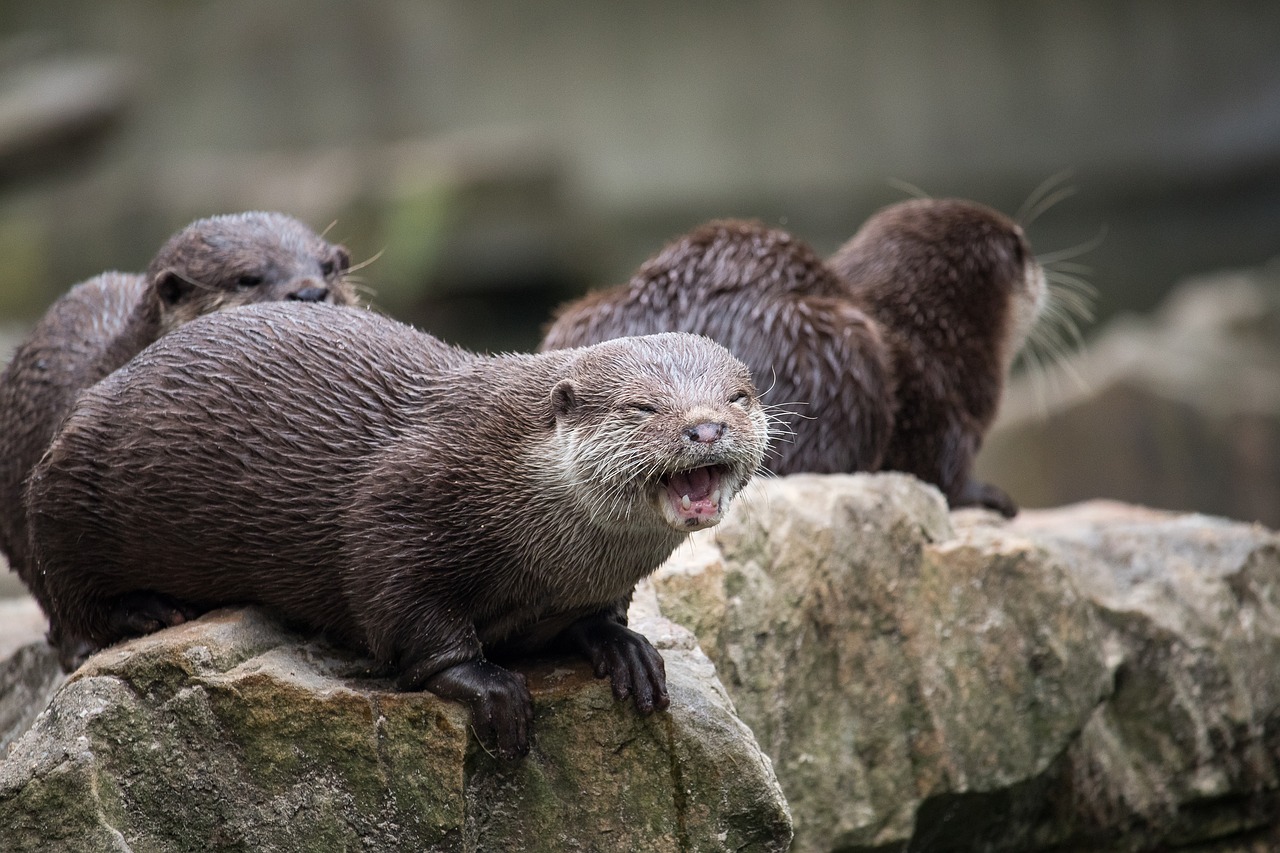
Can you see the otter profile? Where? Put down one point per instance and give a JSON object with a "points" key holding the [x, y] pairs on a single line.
{"points": [[421, 503], [956, 290], [213, 264], [768, 298]]}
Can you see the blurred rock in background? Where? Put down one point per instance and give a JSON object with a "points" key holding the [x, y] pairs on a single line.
{"points": [[1180, 410]]}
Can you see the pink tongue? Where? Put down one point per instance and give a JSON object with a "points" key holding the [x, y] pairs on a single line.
{"points": [[698, 484]]}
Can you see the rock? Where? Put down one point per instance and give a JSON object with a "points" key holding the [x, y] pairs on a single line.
{"points": [[1097, 677], [1181, 410], [29, 671], [229, 733], [56, 111]]}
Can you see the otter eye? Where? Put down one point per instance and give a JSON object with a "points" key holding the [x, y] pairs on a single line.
{"points": [[326, 269], [740, 397], [644, 408], [249, 280]]}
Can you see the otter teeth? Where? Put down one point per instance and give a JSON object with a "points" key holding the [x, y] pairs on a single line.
{"points": [[686, 503]]}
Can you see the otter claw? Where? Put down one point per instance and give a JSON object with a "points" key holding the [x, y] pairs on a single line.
{"points": [[501, 707], [635, 668]]}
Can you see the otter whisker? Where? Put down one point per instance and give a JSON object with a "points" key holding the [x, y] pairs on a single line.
{"points": [[1046, 194], [906, 187], [1053, 258], [366, 262]]}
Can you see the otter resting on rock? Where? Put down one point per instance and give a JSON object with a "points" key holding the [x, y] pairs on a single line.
{"points": [[211, 265], [426, 505], [891, 356]]}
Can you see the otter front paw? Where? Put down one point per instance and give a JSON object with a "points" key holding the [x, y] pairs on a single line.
{"points": [[632, 663], [501, 707], [978, 493]]}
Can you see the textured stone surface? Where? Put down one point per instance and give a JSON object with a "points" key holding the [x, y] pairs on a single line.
{"points": [[229, 734], [1095, 677]]}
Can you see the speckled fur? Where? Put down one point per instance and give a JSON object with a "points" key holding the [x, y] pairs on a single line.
{"points": [[103, 322], [769, 299], [955, 288], [362, 478]]}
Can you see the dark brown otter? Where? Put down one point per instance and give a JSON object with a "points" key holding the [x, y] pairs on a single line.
{"points": [[211, 265], [768, 298], [411, 499], [955, 289]]}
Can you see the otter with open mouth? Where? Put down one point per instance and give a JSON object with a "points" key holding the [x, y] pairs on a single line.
{"points": [[429, 506]]}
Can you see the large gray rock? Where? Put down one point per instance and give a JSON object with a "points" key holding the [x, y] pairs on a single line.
{"points": [[1098, 677], [231, 734]]}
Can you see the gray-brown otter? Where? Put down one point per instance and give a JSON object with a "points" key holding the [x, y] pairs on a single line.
{"points": [[956, 290], [213, 264], [410, 499], [771, 301], [893, 354]]}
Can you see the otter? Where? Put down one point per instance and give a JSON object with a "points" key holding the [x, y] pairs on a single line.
{"points": [[893, 353], [211, 265], [428, 506], [770, 299], [956, 290]]}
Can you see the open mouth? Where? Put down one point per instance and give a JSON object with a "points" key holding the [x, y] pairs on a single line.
{"points": [[692, 498]]}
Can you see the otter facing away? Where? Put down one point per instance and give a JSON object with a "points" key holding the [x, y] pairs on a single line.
{"points": [[429, 506], [956, 291], [213, 264]]}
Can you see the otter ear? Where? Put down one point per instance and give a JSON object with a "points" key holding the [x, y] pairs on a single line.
{"points": [[171, 287], [341, 258], [563, 399]]}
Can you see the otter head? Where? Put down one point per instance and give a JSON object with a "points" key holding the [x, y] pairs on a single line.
{"points": [[949, 267], [237, 259], [663, 429]]}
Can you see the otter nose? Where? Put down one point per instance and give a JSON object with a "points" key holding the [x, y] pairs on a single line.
{"points": [[309, 294], [705, 433]]}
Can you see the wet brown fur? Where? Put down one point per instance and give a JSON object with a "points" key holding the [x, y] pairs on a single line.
{"points": [[100, 324], [947, 281], [411, 499], [768, 298]]}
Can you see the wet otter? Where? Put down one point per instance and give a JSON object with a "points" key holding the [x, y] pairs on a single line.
{"points": [[956, 290], [893, 354], [213, 264], [768, 298], [411, 499]]}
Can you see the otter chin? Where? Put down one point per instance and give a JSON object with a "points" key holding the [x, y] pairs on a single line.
{"points": [[423, 504]]}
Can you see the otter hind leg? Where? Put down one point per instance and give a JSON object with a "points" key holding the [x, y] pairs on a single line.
{"points": [[143, 612], [130, 615]]}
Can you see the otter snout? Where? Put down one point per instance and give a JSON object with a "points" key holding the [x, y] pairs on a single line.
{"points": [[309, 293], [708, 432]]}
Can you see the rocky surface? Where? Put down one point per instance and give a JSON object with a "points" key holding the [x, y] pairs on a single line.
{"points": [[1092, 678], [1099, 677], [230, 734], [1179, 410]]}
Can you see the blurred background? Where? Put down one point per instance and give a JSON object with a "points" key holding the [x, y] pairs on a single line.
{"points": [[496, 158]]}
